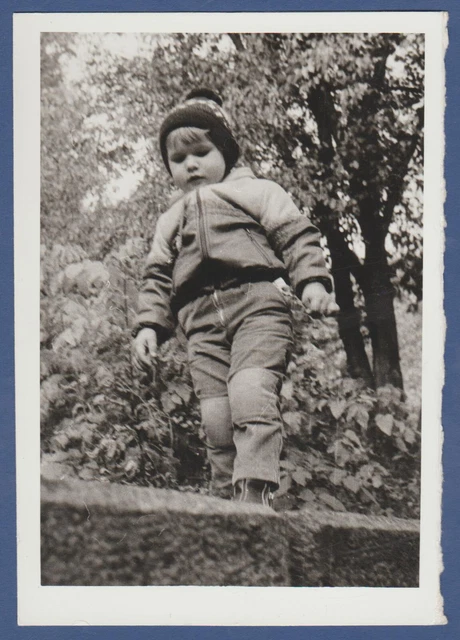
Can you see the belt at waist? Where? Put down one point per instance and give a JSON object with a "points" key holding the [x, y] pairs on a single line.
{"points": [[220, 284]]}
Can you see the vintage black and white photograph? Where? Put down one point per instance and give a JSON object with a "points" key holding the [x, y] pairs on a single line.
{"points": [[233, 287]]}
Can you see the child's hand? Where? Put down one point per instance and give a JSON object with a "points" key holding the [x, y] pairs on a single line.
{"points": [[317, 300], [145, 349]]}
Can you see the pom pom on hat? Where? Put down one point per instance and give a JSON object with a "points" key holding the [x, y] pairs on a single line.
{"points": [[202, 108], [203, 92]]}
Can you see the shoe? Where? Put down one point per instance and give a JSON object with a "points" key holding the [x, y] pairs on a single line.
{"points": [[254, 492]]}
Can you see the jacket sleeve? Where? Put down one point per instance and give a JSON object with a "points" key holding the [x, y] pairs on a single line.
{"points": [[154, 298], [294, 237]]}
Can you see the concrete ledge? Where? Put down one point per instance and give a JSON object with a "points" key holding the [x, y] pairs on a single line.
{"points": [[331, 549], [102, 534], [106, 534]]}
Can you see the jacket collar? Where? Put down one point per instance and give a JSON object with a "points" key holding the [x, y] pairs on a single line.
{"points": [[239, 172], [235, 174]]}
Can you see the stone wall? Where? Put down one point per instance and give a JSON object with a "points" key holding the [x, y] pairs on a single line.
{"points": [[105, 534]]}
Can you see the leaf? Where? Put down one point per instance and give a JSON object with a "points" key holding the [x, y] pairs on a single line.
{"points": [[301, 477], [409, 435], [285, 485], [312, 460], [351, 435], [111, 451], [71, 336], [183, 391], [401, 445], [331, 502], [51, 389], [91, 277], [351, 483], [341, 454], [170, 401], [104, 377], [131, 467], [362, 418], [150, 429], [87, 433], [349, 385], [96, 417], [287, 390], [72, 310], [321, 404], [352, 411], [59, 456], [377, 481], [384, 422], [71, 273], [367, 494], [287, 465], [337, 407], [337, 476], [78, 360], [61, 441], [307, 495], [359, 413], [293, 419]]}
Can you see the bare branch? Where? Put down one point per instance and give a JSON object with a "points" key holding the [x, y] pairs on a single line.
{"points": [[237, 41]]}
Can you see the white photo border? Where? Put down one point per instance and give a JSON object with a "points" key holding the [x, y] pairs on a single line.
{"points": [[234, 606]]}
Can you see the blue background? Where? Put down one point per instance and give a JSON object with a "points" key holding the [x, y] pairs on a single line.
{"points": [[451, 399]]}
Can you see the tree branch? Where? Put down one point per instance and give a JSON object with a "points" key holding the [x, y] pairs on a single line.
{"points": [[338, 244], [237, 41], [397, 177], [321, 105]]}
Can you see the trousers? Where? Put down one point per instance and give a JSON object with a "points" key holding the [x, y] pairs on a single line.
{"points": [[239, 340]]}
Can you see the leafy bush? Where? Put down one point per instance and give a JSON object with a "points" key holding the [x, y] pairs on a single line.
{"points": [[346, 447], [97, 415]]}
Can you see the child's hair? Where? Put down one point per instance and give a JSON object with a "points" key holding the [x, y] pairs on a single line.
{"points": [[189, 135], [202, 110]]}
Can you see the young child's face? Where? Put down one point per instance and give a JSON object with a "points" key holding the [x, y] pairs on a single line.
{"points": [[194, 160]]}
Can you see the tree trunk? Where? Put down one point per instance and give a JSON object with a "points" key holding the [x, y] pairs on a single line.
{"points": [[379, 298], [349, 321], [344, 263]]}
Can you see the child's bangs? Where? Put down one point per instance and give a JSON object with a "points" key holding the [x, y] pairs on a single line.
{"points": [[187, 135]]}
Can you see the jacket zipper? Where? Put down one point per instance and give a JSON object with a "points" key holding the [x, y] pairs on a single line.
{"points": [[202, 228], [258, 247]]}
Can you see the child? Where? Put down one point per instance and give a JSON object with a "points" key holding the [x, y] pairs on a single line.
{"points": [[215, 256]]}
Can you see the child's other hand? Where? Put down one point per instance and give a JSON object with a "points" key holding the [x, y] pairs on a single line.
{"points": [[145, 349], [318, 301]]}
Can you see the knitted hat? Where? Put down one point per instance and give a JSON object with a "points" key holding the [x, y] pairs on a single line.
{"points": [[202, 108]]}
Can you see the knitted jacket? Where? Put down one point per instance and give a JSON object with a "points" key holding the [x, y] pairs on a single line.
{"points": [[235, 231]]}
